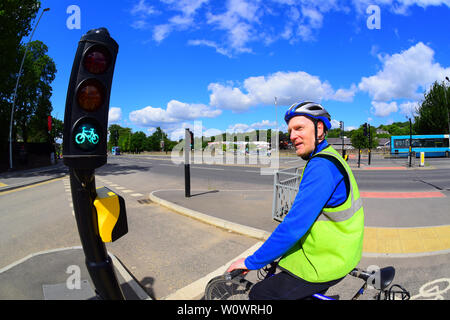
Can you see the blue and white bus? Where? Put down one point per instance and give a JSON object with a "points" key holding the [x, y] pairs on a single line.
{"points": [[434, 145]]}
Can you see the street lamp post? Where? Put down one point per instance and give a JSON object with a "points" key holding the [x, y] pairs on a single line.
{"points": [[410, 142], [15, 91], [446, 104], [276, 124]]}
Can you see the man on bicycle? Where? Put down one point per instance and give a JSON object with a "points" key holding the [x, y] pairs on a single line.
{"points": [[320, 239]]}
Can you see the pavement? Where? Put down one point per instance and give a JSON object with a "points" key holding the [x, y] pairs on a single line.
{"points": [[249, 212], [246, 212]]}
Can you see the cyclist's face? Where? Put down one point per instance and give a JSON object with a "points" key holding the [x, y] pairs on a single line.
{"points": [[301, 133]]}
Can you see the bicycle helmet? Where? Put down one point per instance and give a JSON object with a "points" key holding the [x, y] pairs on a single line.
{"points": [[313, 111], [309, 109]]}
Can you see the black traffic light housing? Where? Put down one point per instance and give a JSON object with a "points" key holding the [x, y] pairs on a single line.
{"points": [[365, 129], [192, 139], [87, 103]]}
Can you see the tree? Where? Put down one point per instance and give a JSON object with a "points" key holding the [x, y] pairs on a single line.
{"points": [[114, 131], [125, 139], [433, 113], [34, 91], [15, 24], [137, 141], [153, 142], [360, 141]]}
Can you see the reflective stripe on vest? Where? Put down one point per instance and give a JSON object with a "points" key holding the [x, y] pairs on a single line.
{"points": [[342, 215]]}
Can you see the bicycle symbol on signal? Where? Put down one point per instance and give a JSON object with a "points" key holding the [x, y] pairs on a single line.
{"points": [[90, 135]]}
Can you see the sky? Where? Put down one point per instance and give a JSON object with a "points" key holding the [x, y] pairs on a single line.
{"points": [[237, 65]]}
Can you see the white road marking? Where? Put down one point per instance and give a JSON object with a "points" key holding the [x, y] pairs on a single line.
{"points": [[197, 288]]}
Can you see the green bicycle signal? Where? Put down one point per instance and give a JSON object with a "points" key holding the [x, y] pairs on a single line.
{"points": [[86, 136]]}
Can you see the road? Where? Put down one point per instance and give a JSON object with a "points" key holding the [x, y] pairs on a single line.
{"points": [[166, 251]]}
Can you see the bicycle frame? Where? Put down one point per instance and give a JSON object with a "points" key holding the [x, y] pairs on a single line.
{"points": [[383, 277]]}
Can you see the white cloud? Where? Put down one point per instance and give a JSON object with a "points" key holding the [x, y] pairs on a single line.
{"points": [[241, 23], [397, 6], [242, 127], [160, 32], [211, 44], [114, 115], [383, 109], [175, 112], [405, 75], [334, 124], [409, 108], [179, 22], [288, 87], [143, 9], [225, 97]]}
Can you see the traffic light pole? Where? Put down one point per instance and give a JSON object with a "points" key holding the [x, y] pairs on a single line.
{"points": [[187, 166], [370, 145], [98, 263]]}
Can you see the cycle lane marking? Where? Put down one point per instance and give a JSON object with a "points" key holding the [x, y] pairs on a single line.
{"points": [[432, 291]]}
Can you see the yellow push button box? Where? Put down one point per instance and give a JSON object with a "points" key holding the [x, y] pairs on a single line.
{"points": [[111, 215]]}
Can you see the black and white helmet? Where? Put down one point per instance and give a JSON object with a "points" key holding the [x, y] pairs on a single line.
{"points": [[309, 109]]}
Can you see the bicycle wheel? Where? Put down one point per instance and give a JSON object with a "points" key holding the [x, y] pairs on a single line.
{"points": [[79, 138], [219, 288]]}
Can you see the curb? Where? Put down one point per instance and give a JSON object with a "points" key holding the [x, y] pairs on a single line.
{"points": [[221, 223]]}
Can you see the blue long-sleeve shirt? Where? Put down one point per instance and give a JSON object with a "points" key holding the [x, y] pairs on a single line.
{"points": [[322, 185]]}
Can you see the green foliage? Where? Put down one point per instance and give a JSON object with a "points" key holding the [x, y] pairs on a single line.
{"points": [[138, 141], [33, 104], [433, 113], [16, 18], [359, 141]]}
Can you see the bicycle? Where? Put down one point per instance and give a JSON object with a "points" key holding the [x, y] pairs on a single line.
{"points": [[233, 285], [90, 135]]}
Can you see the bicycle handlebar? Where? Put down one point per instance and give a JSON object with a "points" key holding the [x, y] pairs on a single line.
{"points": [[234, 273]]}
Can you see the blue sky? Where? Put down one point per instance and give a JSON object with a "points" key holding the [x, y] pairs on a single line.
{"points": [[224, 62]]}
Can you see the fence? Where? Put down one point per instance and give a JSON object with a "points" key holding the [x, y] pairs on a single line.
{"points": [[285, 188]]}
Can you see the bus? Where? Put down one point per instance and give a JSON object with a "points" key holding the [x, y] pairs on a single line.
{"points": [[115, 151], [434, 145]]}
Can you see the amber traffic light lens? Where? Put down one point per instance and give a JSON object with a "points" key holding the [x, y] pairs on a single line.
{"points": [[90, 95], [97, 60]]}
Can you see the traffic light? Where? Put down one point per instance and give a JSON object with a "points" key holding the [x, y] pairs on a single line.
{"points": [[192, 139], [365, 129], [87, 102]]}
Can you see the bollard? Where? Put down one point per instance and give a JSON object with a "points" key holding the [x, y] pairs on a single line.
{"points": [[422, 159]]}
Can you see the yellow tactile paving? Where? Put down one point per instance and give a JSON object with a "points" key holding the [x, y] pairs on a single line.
{"points": [[406, 240], [3, 185]]}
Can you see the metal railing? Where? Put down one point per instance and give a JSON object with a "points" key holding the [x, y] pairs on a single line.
{"points": [[285, 189]]}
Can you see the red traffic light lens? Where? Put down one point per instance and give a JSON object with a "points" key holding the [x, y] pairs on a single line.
{"points": [[90, 95], [97, 60]]}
